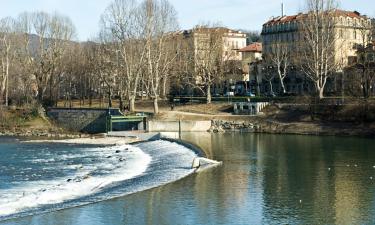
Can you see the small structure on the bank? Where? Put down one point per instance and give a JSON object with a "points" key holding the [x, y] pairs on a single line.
{"points": [[249, 108]]}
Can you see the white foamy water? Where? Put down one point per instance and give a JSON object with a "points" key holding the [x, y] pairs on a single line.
{"points": [[45, 177], [107, 166]]}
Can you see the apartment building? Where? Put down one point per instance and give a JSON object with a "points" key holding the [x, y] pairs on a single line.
{"points": [[350, 29], [206, 44]]}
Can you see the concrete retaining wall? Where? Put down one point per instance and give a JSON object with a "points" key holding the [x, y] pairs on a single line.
{"points": [[249, 108], [178, 126]]}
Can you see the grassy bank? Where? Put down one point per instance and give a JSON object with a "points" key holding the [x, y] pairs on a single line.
{"points": [[27, 121]]}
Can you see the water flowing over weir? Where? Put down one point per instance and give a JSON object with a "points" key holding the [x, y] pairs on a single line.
{"points": [[39, 178]]}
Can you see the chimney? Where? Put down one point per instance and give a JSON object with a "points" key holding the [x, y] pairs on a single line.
{"points": [[282, 9]]}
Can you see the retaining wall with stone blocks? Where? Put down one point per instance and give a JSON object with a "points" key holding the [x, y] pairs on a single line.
{"points": [[82, 120]]}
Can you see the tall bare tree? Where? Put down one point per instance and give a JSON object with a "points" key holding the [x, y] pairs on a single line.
{"points": [[319, 40], [161, 46], [7, 36], [122, 21], [209, 58]]}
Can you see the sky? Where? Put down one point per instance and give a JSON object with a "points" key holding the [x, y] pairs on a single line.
{"points": [[235, 14]]}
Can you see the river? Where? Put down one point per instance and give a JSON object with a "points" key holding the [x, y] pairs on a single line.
{"points": [[264, 179]]}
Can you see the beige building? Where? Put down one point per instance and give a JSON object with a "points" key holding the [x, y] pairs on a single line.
{"points": [[351, 29], [204, 44], [250, 54], [230, 41]]}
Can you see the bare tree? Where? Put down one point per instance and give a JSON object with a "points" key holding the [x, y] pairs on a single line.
{"points": [[7, 36], [209, 58], [161, 21], [269, 74], [280, 60], [318, 45], [122, 21], [43, 57]]}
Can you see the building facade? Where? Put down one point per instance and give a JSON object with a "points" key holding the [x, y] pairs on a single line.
{"points": [[205, 45], [250, 54], [350, 29]]}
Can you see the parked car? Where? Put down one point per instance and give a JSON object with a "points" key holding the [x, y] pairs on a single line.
{"points": [[249, 94], [142, 94], [229, 94]]}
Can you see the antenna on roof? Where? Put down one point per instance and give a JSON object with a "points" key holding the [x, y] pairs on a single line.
{"points": [[282, 9]]}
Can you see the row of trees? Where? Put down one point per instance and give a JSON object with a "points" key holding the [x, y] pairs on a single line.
{"points": [[32, 50], [135, 52]]}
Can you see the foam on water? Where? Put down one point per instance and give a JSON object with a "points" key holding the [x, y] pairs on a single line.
{"points": [[108, 167], [39, 179]]}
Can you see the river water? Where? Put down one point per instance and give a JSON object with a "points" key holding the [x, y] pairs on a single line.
{"points": [[264, 179]]}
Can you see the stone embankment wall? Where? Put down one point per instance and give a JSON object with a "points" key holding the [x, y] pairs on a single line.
{"points": [[200, 126], [178, 126], [82, 120], [218, 126]]}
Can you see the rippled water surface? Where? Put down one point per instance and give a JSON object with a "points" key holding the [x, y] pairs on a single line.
{"points": [[42, 178], [265, 179]]}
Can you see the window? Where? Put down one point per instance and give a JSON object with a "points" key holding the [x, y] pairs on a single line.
{"points": [[355, 35]]}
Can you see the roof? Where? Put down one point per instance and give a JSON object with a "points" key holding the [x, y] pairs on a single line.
{"points": [[337, 12], [254, 47]]}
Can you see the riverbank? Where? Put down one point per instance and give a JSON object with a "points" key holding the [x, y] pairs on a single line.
{"points": [[276, 119], [30, 121]]}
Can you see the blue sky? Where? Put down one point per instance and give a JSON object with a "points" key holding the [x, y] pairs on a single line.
{"points": [[238, 14]]}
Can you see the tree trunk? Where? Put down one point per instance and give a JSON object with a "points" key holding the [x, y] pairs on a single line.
{"points": [[271, 87], [90, 99], [209, 97], [40, 94], [283, 85], [121, 102], [7, 84], [110, 98], [156, 106], [164, 91], [321, 93], [132, 103]]}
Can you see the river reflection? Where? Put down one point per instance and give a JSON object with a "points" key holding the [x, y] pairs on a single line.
{"points": [[265, 179], [290, 179]]}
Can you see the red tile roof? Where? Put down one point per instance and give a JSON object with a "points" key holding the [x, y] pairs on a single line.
{"points": [[254, 47], [337, 12]]}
